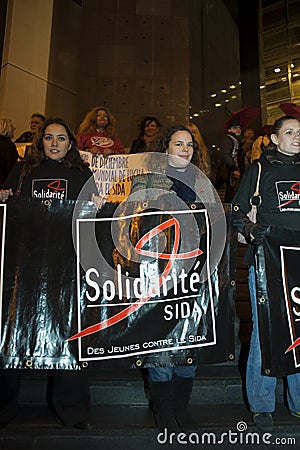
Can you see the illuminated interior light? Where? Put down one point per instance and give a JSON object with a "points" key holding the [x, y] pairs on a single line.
{"points": [[217, 105], [213, 95], [277, 70]]}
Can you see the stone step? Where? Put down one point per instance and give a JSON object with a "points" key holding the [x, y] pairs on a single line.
{"points": [[122, 418], [133, 428], [126, 391], [132, 392], [216, 384]]}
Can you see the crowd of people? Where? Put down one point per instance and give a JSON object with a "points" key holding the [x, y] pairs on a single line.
{"points": [[97, 134], [55, 153]]}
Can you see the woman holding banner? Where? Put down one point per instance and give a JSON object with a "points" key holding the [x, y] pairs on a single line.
{"points": [[53, 170], [171, 387], [280, 173]]}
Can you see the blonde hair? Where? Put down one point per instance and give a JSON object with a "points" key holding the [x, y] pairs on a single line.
{"points": [[204, 159], [89, 123], [7, 128]]}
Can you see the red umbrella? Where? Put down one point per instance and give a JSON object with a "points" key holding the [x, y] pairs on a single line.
{"points": [[290, 109], [266, 129], [244, 116]]}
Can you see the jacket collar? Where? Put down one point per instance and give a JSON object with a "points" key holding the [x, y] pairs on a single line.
{"points": [[272, 157]]}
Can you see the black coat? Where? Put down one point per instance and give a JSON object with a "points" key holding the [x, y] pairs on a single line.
{"points": [[8, 157], [52, 180], [279, 191]]}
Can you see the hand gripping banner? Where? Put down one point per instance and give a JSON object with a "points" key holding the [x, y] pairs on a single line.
{"points": [[139, 288], [278, 301]]}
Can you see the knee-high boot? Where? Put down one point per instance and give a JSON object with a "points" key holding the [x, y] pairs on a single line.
{"points": [[182, 393], [163, 405]]}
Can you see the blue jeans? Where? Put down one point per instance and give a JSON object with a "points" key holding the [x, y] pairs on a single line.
{"points": [[159, 374], [261, 389]]}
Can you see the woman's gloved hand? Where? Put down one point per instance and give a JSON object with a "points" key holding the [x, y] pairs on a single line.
{"points": [[255, 233]]}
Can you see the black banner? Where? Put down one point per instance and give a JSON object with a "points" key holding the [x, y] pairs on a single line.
{"points": [[137, 289], [278, 301]]}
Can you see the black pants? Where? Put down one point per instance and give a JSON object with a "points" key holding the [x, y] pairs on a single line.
{"points": [[68, 395]]}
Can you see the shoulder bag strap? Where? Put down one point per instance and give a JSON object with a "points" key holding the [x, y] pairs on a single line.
{"points": [[20, 180], [256, 192]]}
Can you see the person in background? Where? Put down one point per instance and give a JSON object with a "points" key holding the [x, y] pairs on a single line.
{"points": [[97, 133], [246, 146], [204, 156], [170, 388], [230, 171], [36, 122], [261, 142], [279, 164], [54, 157], [8, 151], [148, 129]]}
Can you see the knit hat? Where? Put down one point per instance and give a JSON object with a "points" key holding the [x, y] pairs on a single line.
{"points": [[234, 123]]}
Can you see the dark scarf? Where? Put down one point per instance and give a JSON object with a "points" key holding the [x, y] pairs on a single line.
{"points": [[286, 159], [183, 182]]}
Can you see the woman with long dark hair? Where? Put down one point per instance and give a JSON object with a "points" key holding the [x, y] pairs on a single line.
{"points": [[52, 170], [170, 387], [148, 129]]}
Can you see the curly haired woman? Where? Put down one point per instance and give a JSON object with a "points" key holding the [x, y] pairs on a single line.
{"points": [[97, 133]]}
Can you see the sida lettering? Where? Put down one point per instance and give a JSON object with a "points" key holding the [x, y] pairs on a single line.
{"points": [[295, 294], [182, 310]]}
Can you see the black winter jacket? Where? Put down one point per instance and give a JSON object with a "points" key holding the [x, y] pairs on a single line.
{"points": [[279, 190], [52, 180], [8, 157]]}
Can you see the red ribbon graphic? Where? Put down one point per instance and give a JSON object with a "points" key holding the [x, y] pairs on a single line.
{"points": [[55, 185], [294, 345], [140, 302]]}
